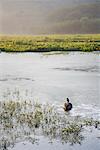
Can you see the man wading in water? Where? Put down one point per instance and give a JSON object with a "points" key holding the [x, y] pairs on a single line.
{"points": [[67, 106]]}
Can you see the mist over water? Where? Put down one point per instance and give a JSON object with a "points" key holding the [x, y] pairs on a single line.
{"points": [[49, 16], [34, 86]]}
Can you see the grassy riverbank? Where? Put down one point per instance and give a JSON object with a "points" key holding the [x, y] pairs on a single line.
{"points": [[48, 43]]}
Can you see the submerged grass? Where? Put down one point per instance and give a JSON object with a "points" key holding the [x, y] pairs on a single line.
{"points": [[25, 121], [48, 43]]}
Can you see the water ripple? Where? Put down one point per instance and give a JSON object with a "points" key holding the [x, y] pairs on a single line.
{"points": [[83, 69], [16, 79]]}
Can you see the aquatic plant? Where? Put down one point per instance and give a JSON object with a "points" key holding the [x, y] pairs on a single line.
{"points": [[24, 121]]}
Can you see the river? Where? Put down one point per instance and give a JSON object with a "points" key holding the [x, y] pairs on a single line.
{"points": [[51, 78]]}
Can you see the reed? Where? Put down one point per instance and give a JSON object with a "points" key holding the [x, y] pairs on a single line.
{"points": [[24, 121]]}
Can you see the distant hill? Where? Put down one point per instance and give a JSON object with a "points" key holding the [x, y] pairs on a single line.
{"points": [[49, 16], [89, 11], [83, 18]]}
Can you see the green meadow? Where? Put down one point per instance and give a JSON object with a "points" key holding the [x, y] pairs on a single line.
{"points": [[48, 43]]}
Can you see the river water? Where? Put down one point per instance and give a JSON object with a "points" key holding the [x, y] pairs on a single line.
{"points": [[50, 78]]}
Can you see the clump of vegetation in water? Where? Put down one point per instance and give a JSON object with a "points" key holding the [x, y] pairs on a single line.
{"points": [[50, 43], [24, 121]]}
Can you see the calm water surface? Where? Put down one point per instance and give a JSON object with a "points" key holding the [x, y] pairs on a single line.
{"points": [[52, 78]]}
